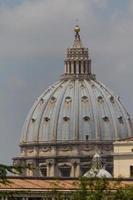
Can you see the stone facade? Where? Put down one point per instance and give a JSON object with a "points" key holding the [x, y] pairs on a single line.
{"points": [[123, 158], [63, 159]]}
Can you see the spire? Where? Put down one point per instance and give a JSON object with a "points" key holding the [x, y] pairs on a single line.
{"points": [[77, 61]]}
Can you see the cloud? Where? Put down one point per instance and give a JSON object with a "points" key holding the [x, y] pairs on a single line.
{"points": [[33, 38]]}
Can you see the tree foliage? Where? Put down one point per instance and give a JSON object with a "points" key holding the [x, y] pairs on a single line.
{"points": [[5, 169], [100, 189]]}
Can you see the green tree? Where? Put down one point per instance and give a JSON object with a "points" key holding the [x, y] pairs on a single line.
{"points": [[100, 189]]}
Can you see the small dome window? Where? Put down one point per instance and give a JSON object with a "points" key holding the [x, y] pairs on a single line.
{"points": [[105, 118], [84, 98], [100, 99], [66, 118], [82, 86], [53, 99], [118, 98], [46, 119], [86, 118], [112, 99], [42, 100], [120, 118], [92, 85], [33, 119], [68, 99]]}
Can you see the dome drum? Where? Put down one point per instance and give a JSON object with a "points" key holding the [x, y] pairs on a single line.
{"points": [[75, 156]]}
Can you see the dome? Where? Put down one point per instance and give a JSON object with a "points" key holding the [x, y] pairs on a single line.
{"points": [[78, 107], [71, 121], [76, 110]]}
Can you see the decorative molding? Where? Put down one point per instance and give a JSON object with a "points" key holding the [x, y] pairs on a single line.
{"points": [[88, 147], [65, 148], [107, 147], [45, 149]]}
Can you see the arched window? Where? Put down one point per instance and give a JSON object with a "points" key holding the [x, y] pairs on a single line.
{"points": [[64, 170], [43, 170]]}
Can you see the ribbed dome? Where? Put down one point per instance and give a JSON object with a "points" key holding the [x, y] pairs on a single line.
{"points": [[77, 107], [76, 110]]}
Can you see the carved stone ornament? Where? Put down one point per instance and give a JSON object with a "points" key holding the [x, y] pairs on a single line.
{"points": [[65, 148], [45, 149], [107, 147], [30, 150], [88, 147], [50, 161]]}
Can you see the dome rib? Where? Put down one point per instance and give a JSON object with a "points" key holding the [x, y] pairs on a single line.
{"points": [[125, 117], [115, 132], [57, 121], [51, 133], [92, 99], [53, 89]]}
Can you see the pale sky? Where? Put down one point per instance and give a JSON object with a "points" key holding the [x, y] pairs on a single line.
{"points": [[33, 37]]}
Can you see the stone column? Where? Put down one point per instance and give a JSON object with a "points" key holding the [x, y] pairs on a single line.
{"points": [[77, 174], [77, 67], [72, 171], [50, 167], [82, 67], [29, 171], [75, 171], [48, 170], [72, 67], [65, 67], [86, 67]]}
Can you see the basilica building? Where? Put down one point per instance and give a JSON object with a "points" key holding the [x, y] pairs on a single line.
{"points": [[73, 120]]}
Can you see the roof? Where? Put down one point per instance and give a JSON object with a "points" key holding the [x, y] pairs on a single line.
{"points": [[74, 110], [43, 184], [37, 184]]}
